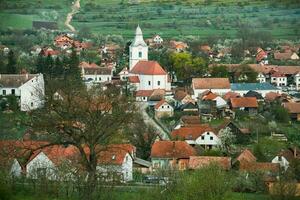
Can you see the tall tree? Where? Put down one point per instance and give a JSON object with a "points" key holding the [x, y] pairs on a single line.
{"points": [[11, 67], [87, 119], [40, 64], [73, 71]]}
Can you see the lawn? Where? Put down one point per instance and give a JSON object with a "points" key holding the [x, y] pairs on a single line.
{"points": [[168, 18]]}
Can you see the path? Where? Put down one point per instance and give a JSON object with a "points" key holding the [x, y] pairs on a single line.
{"points": [[150, 121], [75, 9]]}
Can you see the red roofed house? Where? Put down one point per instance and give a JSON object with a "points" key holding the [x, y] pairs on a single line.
{"points": [[151, 75], [286, 56], [163, 109], [171, 154], [279, 79], [92, 74], [244, 103], [197, 162], [218, 86], [293, 109], [261, 56], [202, 135]]}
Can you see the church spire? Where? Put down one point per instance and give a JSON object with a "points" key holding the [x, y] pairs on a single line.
{"points": [[138, 39]]}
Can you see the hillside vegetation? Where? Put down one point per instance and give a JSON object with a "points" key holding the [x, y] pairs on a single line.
{"points": [[168, 18]]}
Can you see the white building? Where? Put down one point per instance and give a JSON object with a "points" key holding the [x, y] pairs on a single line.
{"points": [[138, 50], [157, 39], [297, 80], [123, 74], [262, 88], [218, 86], [148, 75], [278, 79], [29, 88], [163, 109], [282, 161], [202, 135], [261, 78]]}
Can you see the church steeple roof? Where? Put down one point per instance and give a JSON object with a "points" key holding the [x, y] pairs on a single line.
{"points": [[138, 40]]}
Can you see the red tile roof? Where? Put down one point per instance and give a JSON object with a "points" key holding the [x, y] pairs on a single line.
{"points": [[244, 102], [148, 68], [283, 56], [197, 162], [143, 93], [191, 132], [271, 96], [261, 55], [292, 107], [172, 149], [115, 154], [230, 95], [133, 79], [210, 96], [246, 156], [180, 94], [259, 166], [189, 120], [161, 102], [277, 74], [211, 83]]}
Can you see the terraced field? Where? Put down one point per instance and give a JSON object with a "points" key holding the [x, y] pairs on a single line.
{"points": [[168, 18]]}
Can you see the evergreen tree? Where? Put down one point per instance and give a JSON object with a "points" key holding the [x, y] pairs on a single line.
{"points": [[73, 69], [11, 64], [58, 69], [49, 67], [40, 63]]}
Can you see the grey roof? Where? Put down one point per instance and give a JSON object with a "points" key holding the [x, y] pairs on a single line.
{"points": [[142, 162], [15, 80], [252, 86]]}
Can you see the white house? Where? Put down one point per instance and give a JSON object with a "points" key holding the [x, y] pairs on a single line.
{"points": [[29, 88], [149, 75], [297, 80], [157, 39], [138, 50], [261, 78], [262, 88], [202, 135], [124, 74], [282, 161], [285, 157], [210, 96], [163, 109], [218, 86], [278, 79], [97, 75]]}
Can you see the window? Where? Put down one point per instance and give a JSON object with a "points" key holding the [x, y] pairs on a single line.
{"points": [[13, 91], [108, 78], [202, 137], [149, 82], [31, 104], [162, 107], [99, 78], [168, 106], [158, 82], [274, 79], [4, 92], [279, 158], [140, 54], [211, 138], [207, 133]]}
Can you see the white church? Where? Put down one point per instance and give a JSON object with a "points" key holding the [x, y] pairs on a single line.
{"points": [[147, 76]]}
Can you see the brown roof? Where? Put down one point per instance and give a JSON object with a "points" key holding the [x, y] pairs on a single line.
{"points": [[230, 95], [15, 80], [115, 154], [133, 79], [277, 74], [261, 55], [211, 83], [190, 119], [244, 102], [172, 149], [246, 156], [259, 166], [88, 65], [292, 107], [157, 95], [148, 68], [210, 96], [283, 56], [143, 93], [197, 162], [271, 96], [191, 132], [161, 102], [180, 94], [100, 70]]}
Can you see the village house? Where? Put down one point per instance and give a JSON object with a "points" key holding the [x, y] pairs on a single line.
{"points": [[197, 162], [278, 79], [297, 80], [182, 97], [230, 95], [286, 156], [178, 46], [28, 88], [248, 104], [262, 88], [149, 74], [261, 57], [156, 40], [261, 78], [152, 96], [171, 154], [242, 134], [163, 109], [218, 86], [286, 56], [124, 74], [93, 74], [188, 120], [63, 41], [211, 104], [293, 109], [201, 134]]}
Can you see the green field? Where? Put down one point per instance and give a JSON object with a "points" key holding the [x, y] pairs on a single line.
{"points": [[168, 18]]}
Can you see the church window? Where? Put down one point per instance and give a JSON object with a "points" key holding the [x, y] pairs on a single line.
{"points": [[140, 54]]}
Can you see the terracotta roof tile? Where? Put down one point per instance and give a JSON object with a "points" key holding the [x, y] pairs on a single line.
{"points": [[211, 83], [133, 79], [246, 156], [180, 94], [271, 96], [197, 162], [143, 93], [191, 132], [292, 107], [172, 149], [161, 102], [190, 120], [148, 68], [210, 96], [247, 102], [259, 166], [283, 56], [230, 95], [115, 154]]}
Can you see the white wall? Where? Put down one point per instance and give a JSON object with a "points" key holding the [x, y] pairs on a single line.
{"points": [[279, 81], [165, 107], [220, 102], [207, 139], [99, 78], [16, 169], [41, 161], [216, 91], [153, 80], [283, 162], [262, 92], [134, 55]]}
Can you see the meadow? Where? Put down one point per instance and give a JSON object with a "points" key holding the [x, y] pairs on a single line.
{"points": [[168, 18]]}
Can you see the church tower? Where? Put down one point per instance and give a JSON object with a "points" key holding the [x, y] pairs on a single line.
{"points": [[138, 49]]}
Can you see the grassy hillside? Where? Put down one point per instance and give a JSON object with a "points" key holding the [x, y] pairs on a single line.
{"points": [[168, 18]]}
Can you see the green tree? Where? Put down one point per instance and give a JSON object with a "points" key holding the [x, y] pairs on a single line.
{"points": [[11, 63], [227, 139], [40, 64], [245, 74], [73, 70], [219, 71]]}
